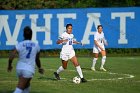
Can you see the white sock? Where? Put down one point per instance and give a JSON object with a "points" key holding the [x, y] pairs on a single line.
{"points": [[103, 61], [26, 90], [78, 68], [94, 62], [18, 90], [60, 69]]}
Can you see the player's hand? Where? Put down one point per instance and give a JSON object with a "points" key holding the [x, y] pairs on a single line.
{"points": [[41, 70], [66, 40], [106, 44], [9, 69], [101, 49], [82, 44]]}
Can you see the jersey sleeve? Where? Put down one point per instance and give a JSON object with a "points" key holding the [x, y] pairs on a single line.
{"points": [[95, 36], [103, 34], [18, 47], [60, 37], [104, 39], [74, 39]]}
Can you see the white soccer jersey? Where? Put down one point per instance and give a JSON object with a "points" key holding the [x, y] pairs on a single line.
{"points": [[27, 53], [68, 46], [99, 37]]}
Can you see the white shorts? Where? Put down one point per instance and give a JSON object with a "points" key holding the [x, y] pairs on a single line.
{"points": [[24, 73], [67, 56], [97, 49]]}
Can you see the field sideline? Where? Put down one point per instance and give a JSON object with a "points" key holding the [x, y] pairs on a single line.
{"points": [[123, 75]]}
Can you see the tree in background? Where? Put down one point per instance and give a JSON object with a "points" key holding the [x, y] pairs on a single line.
{"points": [[37, 4]]}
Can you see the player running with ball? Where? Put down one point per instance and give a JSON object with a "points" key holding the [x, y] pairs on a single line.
{"points": [[99, 42], [67, 52]]}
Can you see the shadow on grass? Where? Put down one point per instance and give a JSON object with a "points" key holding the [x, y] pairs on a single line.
{"points": [[46, 78], [11, 91], [86, 68]]}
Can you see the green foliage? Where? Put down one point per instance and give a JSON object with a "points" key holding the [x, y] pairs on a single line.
{"points": [[39, 4], [84, 52]]}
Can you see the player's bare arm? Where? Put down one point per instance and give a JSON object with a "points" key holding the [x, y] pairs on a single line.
{"points": [[105, 42], [40, 70], [76, 42], [96, 43], [11, 58], [62, 41]]}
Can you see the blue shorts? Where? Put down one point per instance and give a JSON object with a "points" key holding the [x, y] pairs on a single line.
{"points": [[24, 73]]}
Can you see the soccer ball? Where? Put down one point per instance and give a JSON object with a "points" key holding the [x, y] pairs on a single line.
{"points": [[77, 80]]}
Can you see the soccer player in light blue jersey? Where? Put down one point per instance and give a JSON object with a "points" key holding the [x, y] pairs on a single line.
{"points": [[28, 52]]}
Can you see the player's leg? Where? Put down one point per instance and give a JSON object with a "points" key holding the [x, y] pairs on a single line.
{"points": [[29, 76], [27, 88], [21, 84], [64, 59], [103, 60], [24, 81], [64, 66], [76, 64], [96, 52], [74, 60], [60, 69], [94, 61]]}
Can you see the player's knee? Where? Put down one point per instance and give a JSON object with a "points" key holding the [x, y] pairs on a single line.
{"points": [[76, 64], [28, 84], [104, 58], [96, 55], [64, 67], [21, 86], [95, 59]]}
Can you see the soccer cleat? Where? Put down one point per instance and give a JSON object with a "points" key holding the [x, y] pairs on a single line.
{"points": [[103, 69], [83, 80], [92, 68], [56, 76]]}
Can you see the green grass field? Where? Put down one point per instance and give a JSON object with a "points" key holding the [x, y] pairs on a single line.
{"points": [[123, 76]]}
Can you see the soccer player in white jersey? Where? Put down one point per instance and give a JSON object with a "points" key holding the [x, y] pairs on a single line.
{"points": [[28, 56], [99, 42], [67, 52]]}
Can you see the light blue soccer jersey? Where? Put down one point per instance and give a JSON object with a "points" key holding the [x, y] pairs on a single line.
{"points": [[27, 54]]}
